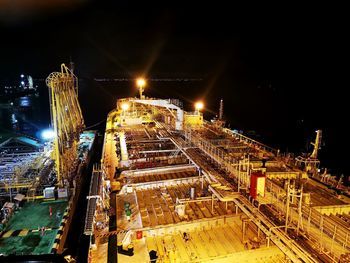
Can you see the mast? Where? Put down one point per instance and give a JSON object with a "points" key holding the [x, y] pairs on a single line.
{"points": [[221, 110]]}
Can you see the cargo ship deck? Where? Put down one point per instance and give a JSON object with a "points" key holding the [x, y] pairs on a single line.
{"points": [[35, 219], [177, 188], [24, 233]]}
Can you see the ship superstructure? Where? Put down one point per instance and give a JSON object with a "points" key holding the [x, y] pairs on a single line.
{"points": [[173, 187]]}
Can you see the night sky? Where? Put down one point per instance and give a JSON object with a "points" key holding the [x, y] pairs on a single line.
{"points": [[280, 69]]}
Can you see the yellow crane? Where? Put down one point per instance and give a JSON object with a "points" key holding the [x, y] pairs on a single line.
{"points": [[66, 119]]}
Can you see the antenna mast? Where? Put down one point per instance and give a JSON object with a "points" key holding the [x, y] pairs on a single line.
{"points": [[221, 110]]}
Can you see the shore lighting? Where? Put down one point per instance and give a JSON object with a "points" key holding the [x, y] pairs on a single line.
{"points": [[47, 134]]}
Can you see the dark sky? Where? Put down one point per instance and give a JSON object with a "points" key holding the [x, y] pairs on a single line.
{"points": [[280, 69]]}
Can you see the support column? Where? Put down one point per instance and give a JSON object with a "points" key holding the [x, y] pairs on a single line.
{"points": [[334, 233], [212, 203], [287, 208], [321, 229], [309, 222]]}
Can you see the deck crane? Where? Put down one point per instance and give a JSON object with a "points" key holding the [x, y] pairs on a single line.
{"points": [[316, 144], [310, 163], [67, 121]]}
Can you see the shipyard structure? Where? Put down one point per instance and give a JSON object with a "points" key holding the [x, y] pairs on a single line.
{"points": [[173, 187]]}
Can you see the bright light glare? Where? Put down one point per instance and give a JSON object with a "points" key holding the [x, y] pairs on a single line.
{"points": [[199, 105], [125, 106], [140, 82], [22, 76], [47, 134]]}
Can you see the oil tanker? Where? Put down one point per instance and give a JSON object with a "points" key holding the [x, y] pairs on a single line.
{"points": [[170, 187], [174, 187]]}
